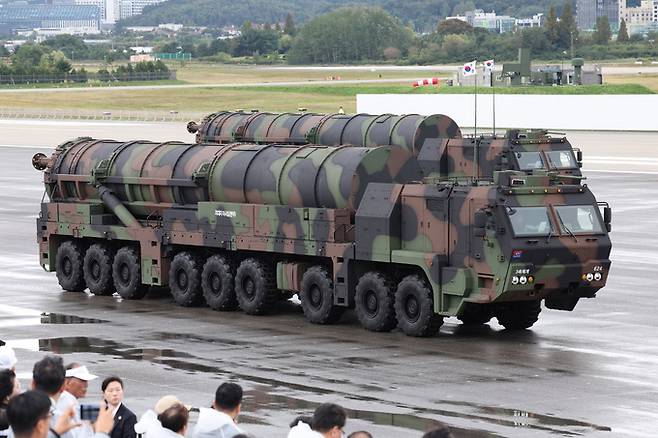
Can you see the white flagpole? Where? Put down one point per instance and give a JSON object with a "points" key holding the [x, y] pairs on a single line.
{"points": [[476, 100], [493, 91]]}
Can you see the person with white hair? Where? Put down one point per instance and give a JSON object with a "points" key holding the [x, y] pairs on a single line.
{"points": [[161, 421], [7, 358], [76, 383]]}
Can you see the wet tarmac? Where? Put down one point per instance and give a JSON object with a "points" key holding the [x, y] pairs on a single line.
{"points": [[590, 372]]}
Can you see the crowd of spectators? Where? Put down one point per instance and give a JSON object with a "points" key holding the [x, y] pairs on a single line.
{"points": [[52, 409]]}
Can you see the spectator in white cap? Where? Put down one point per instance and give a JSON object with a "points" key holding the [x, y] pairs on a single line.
{"points": [[77, 380], [76, 383], [7, 358], [167, 409]]}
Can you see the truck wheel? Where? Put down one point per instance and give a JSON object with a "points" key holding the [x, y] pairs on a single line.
{"points": [[255, 287], [127, 274], [68, 266], [519, 315], [217, 284], [476, 314], [317, 297], [414, 308], [185, 279], [97, 269], [374, 301]]}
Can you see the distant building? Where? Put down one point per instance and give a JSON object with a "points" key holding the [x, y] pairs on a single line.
{"points": [[587, 11], [141, 50], [114, 10], [128, 8], [496, 23], [76, 19], [527, 23], [640, 19]]}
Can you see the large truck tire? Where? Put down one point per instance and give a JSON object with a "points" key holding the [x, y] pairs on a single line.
{"points": [[97, 269], [185, 279], [217, 284], [69, 266], [476, 314], [317, 297], [520, 315], [375, 302], [414, 308], [127, 274], [255, 287]]}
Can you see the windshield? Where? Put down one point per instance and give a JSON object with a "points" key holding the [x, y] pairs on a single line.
{"points": [[530, 221], [562, 159], [579, 219], [529, 160]]}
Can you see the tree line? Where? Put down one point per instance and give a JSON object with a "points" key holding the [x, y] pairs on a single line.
{"points": [[41, 62], [369, 34], [420, 15]]}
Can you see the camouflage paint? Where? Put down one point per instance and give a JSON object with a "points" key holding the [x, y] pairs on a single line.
{"points": [[351, 208]]}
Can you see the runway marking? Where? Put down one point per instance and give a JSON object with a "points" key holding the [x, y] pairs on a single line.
{"points": [[27, 146], [634, 172], [87, 123]]}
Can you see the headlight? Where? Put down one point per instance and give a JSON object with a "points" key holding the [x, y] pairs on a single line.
{"points": [[515, 280], [523, 280], [598, 276], [589, 276]]}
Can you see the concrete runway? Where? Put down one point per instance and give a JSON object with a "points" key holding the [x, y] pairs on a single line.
{"points": [[590, 372]]}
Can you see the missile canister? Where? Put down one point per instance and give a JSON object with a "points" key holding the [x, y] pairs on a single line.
{"points": [[146, 175], [410, 131]]}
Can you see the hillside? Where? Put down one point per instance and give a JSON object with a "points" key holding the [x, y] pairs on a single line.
{"points": [[422, 14]]}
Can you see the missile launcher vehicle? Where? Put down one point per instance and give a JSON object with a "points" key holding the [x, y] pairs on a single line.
{"points": [[244, 225], [436, 141]]}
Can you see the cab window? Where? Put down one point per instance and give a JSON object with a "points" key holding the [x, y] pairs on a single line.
{"points": [[529, 160], [561, 159], [579, 219], [530, 221]]}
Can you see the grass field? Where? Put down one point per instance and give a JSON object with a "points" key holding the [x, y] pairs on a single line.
{"points": [[649, 81], [183, 100], [275, 98], [223, 74], [314, 97]]}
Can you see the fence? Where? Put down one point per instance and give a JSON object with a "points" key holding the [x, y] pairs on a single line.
{"points": [[87, 77], [72, 114]]}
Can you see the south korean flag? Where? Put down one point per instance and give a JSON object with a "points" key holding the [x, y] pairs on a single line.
{"points": [[488, 65], [469, 69]]}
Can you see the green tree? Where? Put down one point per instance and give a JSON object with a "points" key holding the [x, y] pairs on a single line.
{"points": [[567, 31], [289, 26], [622, 34], [463, 6], [455, 46], [255, 41], [348, 35], [54, 62], [602, 33], [453, 27], [26, 59], [551, 26]]}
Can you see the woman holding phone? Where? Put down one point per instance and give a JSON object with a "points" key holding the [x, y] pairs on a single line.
{"points": [[124, 418]]}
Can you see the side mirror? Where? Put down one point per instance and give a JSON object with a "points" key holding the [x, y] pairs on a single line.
{"points": [[607, 218], [579, 158], [480, 219]]}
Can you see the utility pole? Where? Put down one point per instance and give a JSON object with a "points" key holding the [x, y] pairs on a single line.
{"points": [[572, 44]]}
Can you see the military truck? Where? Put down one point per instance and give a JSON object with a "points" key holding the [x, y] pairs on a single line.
{"points": [[436, 140], [245, 225]]}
